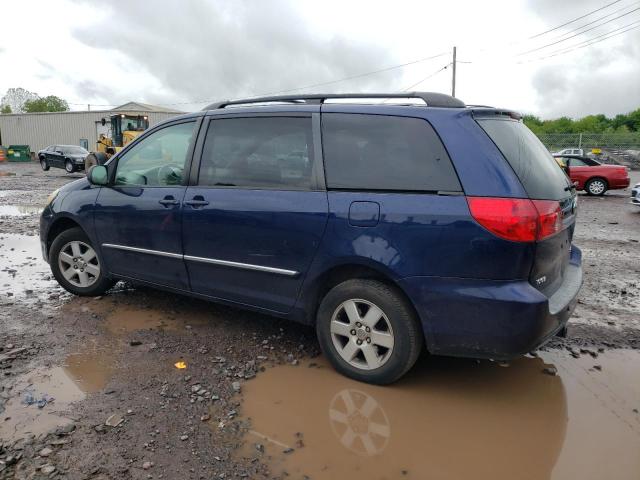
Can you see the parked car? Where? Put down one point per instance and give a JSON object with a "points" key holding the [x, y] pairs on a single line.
{"points": [[69, 157], [569, 151], [392, 229], [635, 195], [594, 177]]}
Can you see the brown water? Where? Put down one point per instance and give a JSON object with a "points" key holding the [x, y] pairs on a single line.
{"points": [[453, 419], [82, 373]]}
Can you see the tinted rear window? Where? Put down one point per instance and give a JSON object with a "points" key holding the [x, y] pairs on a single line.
{"points": [[262, 152], [539, 173], [378, 152]]}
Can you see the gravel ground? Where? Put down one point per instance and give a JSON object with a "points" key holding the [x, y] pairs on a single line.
{"points": [[122, 349]]}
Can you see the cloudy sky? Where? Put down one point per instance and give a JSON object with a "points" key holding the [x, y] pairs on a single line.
{"points": [[184, 54]]}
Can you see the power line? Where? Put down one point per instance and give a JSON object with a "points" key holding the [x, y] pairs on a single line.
{"points": [[410, 87], [331, 82], [596, 20], [574, 20], [591, 41], [577, 34]]}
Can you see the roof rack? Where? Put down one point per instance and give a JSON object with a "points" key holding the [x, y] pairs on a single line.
{"points": [[432, 99]]}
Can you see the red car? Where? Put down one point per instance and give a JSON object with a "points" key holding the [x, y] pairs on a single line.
{"points": [[592, 176]]}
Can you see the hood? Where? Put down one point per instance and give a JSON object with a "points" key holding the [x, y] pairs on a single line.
{"points": [[80, 184]]}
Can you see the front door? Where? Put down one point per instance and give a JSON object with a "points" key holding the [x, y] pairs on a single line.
{"points": [[55, 157], [253, 222], [138, 218]]}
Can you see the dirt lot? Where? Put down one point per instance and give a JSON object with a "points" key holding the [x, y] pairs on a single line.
{"points": [[89, 388]]}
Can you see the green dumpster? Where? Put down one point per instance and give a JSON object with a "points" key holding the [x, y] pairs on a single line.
{"points": [[19, 153]]}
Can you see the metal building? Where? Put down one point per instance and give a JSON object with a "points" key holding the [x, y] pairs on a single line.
{"points": [[38, 130]]}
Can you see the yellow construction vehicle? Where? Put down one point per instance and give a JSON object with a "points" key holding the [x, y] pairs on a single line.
{"points": [[123, 129]]}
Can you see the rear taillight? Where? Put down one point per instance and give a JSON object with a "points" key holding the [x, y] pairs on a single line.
{"points": [[517, 219]]}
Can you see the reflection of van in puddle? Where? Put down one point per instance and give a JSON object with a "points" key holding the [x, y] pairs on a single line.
{"points": [[460, 420]]}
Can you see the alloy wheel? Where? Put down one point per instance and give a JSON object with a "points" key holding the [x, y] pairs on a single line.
{"points": [[596, 187], [79, 264], [361, 334]]}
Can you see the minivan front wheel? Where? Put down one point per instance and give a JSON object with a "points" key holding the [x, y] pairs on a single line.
{"points": [[368, 331], [76, 266]]}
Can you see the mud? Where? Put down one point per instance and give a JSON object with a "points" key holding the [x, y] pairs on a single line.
{"points": [[451, 419], [116, 355]]}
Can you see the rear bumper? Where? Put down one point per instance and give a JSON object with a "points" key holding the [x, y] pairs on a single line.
{"points": [[618, 183], [492, 319]]}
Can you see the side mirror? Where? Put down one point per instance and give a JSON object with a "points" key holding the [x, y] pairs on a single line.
{"points": [[98, 175]]}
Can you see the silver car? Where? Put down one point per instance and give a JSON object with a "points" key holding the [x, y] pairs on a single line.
{"points": [[635, 195]]}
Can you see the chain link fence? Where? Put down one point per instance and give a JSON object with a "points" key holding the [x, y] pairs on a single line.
{"points": [[619, 148]]}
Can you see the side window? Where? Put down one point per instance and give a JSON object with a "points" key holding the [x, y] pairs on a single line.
{"points": [[378, 152], [260, 152], [576, 162], [158, 160]]}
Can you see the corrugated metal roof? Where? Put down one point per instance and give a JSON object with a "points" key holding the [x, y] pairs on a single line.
{"points": [[145, 107]]}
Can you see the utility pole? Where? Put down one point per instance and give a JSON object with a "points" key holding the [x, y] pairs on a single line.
{"points": [[88, 107], [453, 76]]}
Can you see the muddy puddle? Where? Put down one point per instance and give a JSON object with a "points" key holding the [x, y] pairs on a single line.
{"points": [[23, 272], [452, 419], [19, 210], [42, 400]]}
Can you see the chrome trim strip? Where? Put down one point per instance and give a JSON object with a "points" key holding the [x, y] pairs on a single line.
{"points": [[246, 266], [213, 261], [143, 250]]}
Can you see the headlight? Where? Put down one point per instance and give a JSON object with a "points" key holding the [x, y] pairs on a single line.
{"points": [[52, 196]]}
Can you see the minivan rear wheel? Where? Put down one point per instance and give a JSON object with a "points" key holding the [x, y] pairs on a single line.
{"points": [[368, 331], [76, 265]]}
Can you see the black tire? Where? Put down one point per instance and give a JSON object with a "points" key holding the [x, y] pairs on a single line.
{"points": [[44, 164], [596, 186], [69, 166], [94, 158], [102, 282], [406, 330]]}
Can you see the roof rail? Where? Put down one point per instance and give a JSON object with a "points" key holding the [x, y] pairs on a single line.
{"points": [[432, 99]]}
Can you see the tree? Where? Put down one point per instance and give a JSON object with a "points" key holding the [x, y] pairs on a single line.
{"points": [[46, 104], [15, 98], [5, 109]]}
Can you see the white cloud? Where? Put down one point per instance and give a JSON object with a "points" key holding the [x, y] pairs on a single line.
{"points": [[165, 51]]}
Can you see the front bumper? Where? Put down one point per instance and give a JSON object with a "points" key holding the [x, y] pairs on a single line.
{"points": [[46, 218], [489, 318]]}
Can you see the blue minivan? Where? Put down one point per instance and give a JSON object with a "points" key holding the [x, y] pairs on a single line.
{"points": [[392, 223]]}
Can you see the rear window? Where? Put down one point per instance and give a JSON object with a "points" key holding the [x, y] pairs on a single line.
{"points": [[539, 173], [379, 152]]}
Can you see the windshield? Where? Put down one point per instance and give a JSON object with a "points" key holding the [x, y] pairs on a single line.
{"points": [[133, 124], [539, 173], [73, 150]]}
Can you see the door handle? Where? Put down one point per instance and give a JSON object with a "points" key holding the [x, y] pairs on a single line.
{"points": [[168, 201], [197, 201]]}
